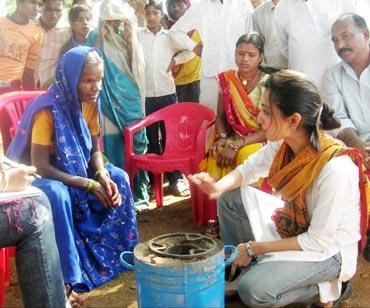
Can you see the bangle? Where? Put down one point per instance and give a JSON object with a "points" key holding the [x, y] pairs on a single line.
{"points": [[244, 142], [248, 247], [100, 171], [92, 186], [221, 135]]}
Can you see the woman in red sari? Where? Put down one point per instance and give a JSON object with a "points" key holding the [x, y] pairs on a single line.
{"points": [[237, 132]]}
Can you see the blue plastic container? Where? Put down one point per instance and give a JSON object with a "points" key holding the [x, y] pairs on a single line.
{"points": [[184, 275]]}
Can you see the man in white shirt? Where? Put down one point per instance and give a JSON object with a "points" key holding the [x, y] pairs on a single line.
{"points": [[56, 35], [160, 54], [264, 24], [220, 24], [303, 27], [347, 86]]}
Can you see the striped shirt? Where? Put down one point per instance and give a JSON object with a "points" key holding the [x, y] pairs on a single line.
{"points": [[51, 52]]}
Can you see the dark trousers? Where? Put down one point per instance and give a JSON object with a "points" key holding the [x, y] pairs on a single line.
{"points": [[188, 92], [156, 145]]}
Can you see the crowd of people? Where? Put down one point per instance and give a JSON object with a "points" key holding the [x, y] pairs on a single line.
{"points": [[307, 131]]}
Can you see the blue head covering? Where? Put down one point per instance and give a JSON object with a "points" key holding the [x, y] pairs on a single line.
{"points": [[71, 135], [62, 99]]}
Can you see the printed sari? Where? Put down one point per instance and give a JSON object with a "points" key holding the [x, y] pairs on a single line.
{"points": [[241, 112], [89, 236], [121, 102]]}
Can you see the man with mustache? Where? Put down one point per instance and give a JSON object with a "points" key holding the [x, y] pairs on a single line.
{"points": [[347, 86]]}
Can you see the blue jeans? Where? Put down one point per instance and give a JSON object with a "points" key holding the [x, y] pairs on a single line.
{"points": [[271, 284], [37, 259]]}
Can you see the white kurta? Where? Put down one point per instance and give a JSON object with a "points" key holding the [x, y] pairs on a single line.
{"points": [[333, 205], [304, 30], [219, 25]]}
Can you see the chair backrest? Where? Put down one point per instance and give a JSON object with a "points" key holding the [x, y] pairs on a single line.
{"points": [[183, 122], [12, 106]]}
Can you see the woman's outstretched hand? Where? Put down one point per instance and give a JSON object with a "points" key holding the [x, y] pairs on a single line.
{"points": [[206, 183]]}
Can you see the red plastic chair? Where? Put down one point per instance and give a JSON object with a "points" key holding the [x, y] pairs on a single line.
{"points": [[186, 127], [12, 106], [207, 208], [4, 265]]}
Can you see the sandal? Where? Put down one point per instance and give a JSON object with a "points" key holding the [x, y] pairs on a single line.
{"points": [[74, 300], [180, 188], [213, 228]]}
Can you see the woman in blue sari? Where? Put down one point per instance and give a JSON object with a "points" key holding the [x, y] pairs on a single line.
{"points": [[92, 204], [123, 88]]}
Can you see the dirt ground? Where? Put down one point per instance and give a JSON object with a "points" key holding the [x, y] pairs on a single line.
{"points": [[175, 217]]}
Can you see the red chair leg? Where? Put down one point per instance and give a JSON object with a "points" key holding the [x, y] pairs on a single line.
{"points": [[210, 209], [131, 176], [194, 192], [3, 265], [158, 188], [10, 252]]}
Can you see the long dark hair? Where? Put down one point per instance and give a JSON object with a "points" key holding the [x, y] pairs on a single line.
{"points": [[293, 92], [253, 38]]}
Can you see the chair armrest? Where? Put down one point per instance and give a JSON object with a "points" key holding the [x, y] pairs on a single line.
{"points": [[131, 130], [201, 140]]}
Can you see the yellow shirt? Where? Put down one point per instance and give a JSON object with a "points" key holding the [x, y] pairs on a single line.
{"points": [[190, 71], [43, 125], [19, 48]]}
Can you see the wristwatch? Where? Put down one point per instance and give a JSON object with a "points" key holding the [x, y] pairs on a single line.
{"points": [[249, 249]]}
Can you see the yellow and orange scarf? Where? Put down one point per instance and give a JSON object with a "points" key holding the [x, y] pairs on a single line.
{"points": [[292, 179], [240, 111]]}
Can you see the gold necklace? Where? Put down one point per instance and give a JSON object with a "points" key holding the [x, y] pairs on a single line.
{"points": [[246, 81], [250, 82]]}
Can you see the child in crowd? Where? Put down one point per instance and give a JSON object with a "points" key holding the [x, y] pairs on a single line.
{"points": [[80, 20], [161, 54]]}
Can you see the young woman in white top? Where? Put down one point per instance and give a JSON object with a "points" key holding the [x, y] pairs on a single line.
{"points": [[305, 242]]}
